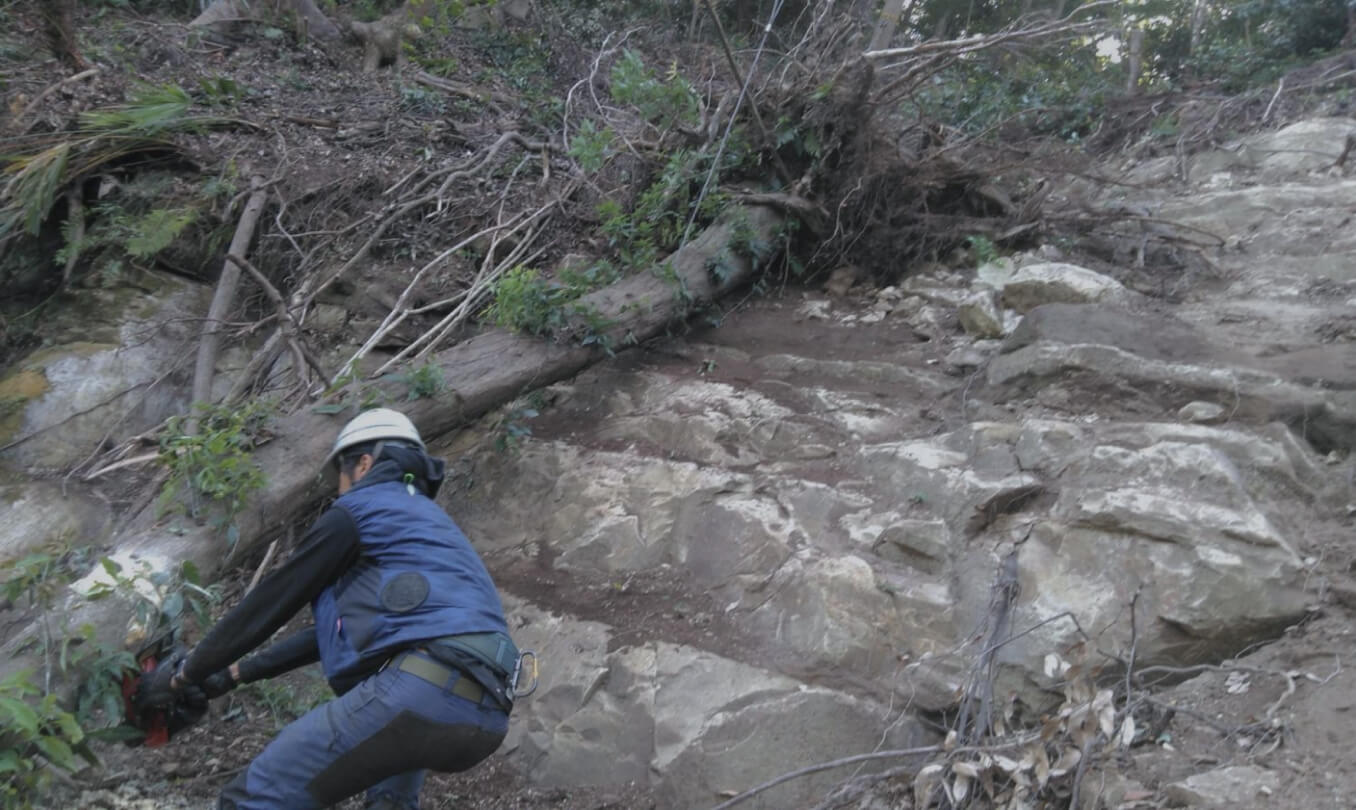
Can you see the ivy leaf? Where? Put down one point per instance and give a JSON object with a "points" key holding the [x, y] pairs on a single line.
{"points": [[9, 760], [56, 749], [21, 714], [70, 727], [173, 606], [117, 734]]}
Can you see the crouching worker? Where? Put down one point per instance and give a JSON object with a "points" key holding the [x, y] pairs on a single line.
{"points": [[408, 627]]}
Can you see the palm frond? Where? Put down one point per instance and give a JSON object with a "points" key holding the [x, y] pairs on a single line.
{"points": [[33, 187], [141, 125], [153, 109]]}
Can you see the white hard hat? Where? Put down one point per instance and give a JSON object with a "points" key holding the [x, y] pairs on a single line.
{"points": [[376, 425]]}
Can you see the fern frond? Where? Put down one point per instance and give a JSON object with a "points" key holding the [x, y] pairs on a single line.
{"points": [[155, 231]]}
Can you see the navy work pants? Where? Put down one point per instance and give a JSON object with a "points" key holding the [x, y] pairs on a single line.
{"points": [[378, 737]]}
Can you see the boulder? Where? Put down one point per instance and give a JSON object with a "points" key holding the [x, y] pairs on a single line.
{"points": [[940, 288], [980, 315], [1235, 787], [967, 358], [1205, 413], [1051, 283], [693, 723], [1145, 334]]}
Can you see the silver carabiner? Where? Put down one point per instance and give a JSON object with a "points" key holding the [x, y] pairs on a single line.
{"points": [[525, 658]]}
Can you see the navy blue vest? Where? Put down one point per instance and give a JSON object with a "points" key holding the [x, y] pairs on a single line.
{"points": [[417, 578]]}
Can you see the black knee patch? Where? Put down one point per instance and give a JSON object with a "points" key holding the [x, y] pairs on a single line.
{"points": [[410, 742]]}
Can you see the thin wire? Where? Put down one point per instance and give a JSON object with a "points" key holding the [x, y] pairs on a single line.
{"points": [[729, 127]]}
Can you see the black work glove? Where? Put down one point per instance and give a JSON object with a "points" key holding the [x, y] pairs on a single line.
{"points": [[155, 690], [218, 684], [190, 706]]}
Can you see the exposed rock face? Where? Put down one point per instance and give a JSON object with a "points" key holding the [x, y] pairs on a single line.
{"points": [[1156, 362], [38, 513], [784, 494], [110, 371], [808, 495], [106, 370], [609, 713], [1057, 283]]}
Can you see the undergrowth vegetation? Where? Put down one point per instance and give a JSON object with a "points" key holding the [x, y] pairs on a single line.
{"points": [[211, 471], [41, 730]]}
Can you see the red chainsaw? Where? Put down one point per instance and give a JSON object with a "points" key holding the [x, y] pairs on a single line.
{"points": [[159, 724]]}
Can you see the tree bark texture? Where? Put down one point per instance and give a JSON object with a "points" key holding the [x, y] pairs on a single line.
{"points": [[888, 23], [1135, 62], [59, 15]]}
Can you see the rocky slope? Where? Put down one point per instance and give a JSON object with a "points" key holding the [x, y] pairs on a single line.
{"points": [[801, 530], [771, 542]]}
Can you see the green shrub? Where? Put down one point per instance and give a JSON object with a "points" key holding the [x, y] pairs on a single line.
{"points": [[35, 731], [426, 381], [590, 146], [526, 302], [1058, 92], [212, 470], [669, 102]]}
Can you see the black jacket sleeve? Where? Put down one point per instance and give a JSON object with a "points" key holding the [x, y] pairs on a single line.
{"points": [[297, 650], [330, 546]]}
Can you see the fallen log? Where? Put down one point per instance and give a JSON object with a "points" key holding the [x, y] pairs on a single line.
{"points": [[484, 372]]}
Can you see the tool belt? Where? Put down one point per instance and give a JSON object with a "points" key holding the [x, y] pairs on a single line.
{"points": [[437, 674], [495, 650], [487, 663]]}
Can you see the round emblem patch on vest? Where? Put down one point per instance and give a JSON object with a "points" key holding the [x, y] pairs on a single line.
{"points": [[405, 592]]}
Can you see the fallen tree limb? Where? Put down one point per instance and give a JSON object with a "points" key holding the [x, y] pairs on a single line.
{"points": [[981, 42], [38, 99], [301, 357], [488, 370], [224, 298]]}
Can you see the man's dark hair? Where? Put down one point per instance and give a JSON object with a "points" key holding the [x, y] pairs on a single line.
{"points": [[349, 457]]}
